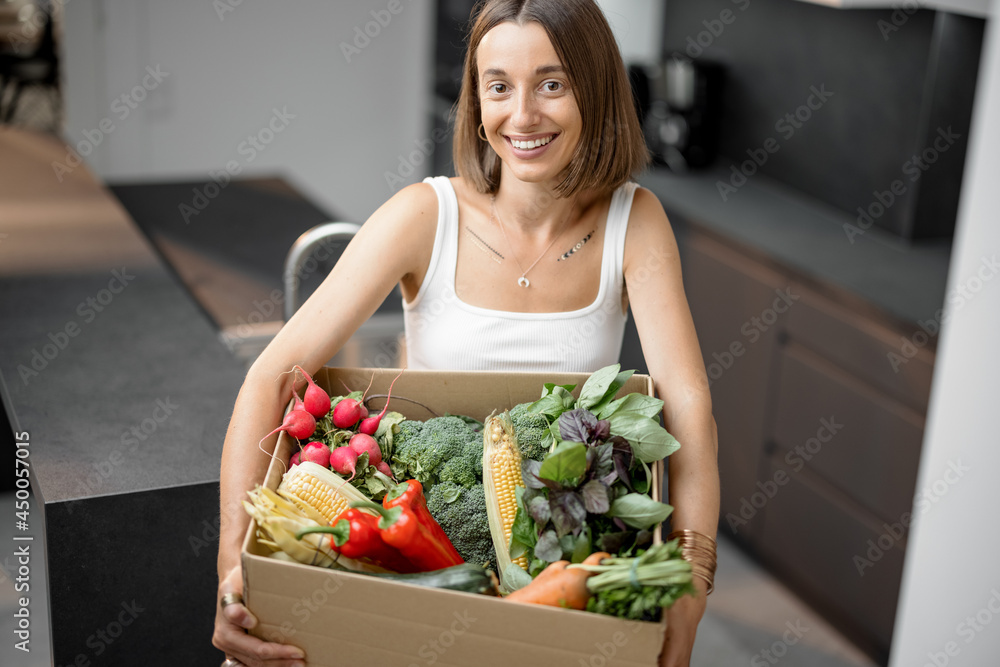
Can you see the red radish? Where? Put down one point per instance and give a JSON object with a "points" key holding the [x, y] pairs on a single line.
{"points": [[347, 413], [317, 401], [296, 459], [317, 453], [370, 425], [344, 460], [361, 443], [384, 468], [297, 423]]}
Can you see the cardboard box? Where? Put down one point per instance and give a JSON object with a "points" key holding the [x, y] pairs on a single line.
{"points": [[340, 618]]}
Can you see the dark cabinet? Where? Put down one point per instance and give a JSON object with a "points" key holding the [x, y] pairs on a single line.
{"points": [[820, 427]]}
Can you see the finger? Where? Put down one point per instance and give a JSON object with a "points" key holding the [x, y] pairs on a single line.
{"points": [[238, 614], [256, 652]]}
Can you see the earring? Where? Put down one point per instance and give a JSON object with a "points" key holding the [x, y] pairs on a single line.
{"points": [[480, 132]]}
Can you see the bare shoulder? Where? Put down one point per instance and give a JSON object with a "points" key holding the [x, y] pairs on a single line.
{"points": [[405, 226], [649, 230]]}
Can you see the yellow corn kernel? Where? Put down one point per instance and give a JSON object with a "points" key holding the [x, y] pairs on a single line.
{"points": [[321, 493]]}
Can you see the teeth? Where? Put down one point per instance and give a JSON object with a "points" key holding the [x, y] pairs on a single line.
{"points": [[528, 145]]}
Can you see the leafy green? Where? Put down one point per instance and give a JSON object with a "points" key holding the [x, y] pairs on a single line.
{"points": [[639, 510], [649, 440], [567, 462]]}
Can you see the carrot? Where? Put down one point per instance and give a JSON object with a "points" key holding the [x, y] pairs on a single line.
{"points": [[557, 586]]}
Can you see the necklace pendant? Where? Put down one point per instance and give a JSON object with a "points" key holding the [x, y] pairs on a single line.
{"points": [[523, 282]]}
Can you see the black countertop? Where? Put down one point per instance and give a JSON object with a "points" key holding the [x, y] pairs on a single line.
{"points": [[807, 237]]}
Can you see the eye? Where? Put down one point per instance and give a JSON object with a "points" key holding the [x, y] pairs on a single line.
{"points": [[552, 86], [498, 88]]}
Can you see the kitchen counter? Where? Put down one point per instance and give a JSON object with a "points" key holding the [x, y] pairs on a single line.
{"points": [[124, 388], [906, 282]]}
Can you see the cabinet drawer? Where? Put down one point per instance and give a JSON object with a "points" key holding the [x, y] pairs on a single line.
{"points": [[814, 540], [870, 451], [725, 290], [861, 342]]}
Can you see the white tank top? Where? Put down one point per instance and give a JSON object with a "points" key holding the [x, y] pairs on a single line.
{"points": [[445, 333]]}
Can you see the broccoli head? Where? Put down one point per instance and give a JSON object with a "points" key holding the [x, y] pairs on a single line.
{"points": [[461, 513], [532, 429], [466, 469], [424, 449]]}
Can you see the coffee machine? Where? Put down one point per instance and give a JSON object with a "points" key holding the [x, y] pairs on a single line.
{"points": [[680, 105]]}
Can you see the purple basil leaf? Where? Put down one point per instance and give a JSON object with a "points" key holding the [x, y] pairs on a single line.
{"points": [[643, 537], [538, 508], [613, 542], [568, 512], [548, 548], [595, 497], [610, 478], [621, 524], [577, 425], [603, 461], [602, 430], [529, 472], [622, 456]]}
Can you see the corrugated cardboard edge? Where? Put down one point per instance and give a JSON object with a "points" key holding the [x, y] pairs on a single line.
{"points": [[286, 604]]}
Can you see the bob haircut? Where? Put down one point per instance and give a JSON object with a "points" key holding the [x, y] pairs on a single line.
{"points": [[611, 147]]}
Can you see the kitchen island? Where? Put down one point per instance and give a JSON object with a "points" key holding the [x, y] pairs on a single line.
{"points": [[121, 385]]}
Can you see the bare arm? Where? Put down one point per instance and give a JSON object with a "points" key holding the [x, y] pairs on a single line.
{"points": [[673, 356], [395, 243]]}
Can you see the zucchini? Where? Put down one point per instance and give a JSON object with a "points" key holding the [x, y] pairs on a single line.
{"points": [[467, 578]]}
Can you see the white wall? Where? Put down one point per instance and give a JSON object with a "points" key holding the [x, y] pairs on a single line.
{"points": [[227, 71], [638, 28], [952, 571]]}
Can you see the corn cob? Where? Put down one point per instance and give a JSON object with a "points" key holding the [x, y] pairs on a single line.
{"points": [[279, 521], [320, 493], [501, 476]]}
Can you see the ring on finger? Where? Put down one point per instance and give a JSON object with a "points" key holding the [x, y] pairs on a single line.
{"points": [[231, 662], [228, 599]]}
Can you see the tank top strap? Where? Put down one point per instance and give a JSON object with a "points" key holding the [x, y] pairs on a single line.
{"points": [[440, 273], [617, 227]]}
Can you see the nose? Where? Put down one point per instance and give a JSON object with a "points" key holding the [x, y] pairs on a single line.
{"points": [[526, 114]]}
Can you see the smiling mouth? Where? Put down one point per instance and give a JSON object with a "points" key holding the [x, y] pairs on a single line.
{"points": [[534, 143]]}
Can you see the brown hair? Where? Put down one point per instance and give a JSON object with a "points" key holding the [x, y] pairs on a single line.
{"points": [[611, 147]]}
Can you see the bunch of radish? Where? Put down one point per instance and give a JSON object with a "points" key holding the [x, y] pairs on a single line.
{"points": [[349, 416]]}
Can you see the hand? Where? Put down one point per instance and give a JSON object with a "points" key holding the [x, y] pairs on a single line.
{"points": [[682, 624], [230, 635]]}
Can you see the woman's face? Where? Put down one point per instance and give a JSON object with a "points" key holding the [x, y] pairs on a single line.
{"points": [[529, 111]]}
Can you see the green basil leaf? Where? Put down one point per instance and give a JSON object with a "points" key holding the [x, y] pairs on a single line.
{"points": [[551, 406], [641, 403], [551, 388], [514, 577], [523, 535], [612, 390], [650, 441], [639, 510], [597, 385], [582, 547], [565, 463]]}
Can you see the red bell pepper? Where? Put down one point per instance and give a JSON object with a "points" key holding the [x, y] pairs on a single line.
{"points": [[401, 528], [356, 534], [410, 494]]}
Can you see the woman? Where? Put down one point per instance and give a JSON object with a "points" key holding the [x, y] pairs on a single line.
{"points": [[526, 261]]}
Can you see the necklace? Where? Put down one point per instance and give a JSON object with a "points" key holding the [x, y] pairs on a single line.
{"points": [[523, 280]]}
